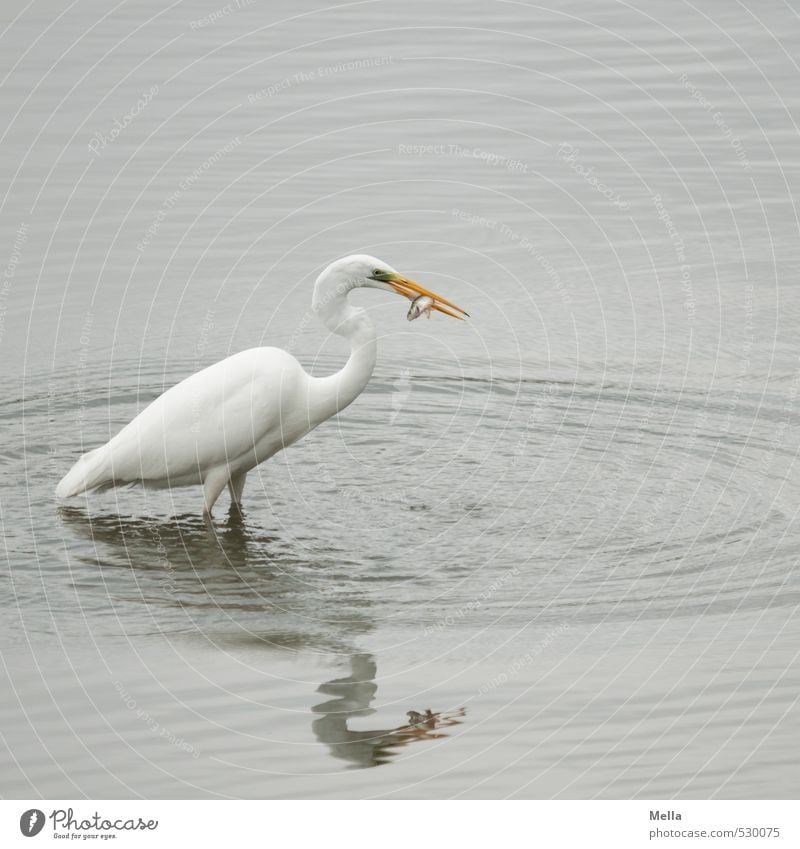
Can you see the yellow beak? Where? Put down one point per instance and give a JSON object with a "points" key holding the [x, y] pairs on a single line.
{"points": [[411, 290]]}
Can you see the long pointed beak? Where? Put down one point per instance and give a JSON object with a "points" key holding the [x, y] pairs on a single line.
{"points": [[411, 290]]}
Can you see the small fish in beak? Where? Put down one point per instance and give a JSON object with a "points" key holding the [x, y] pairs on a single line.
{"points": [[414, 292], [420, 305]]}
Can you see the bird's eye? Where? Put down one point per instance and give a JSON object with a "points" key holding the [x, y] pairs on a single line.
{"points": [[377, 272]]}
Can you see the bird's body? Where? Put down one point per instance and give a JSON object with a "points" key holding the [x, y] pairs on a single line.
{"points": [[221, 422]]}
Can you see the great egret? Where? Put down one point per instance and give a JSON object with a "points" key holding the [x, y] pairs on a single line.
{"points": [[217, 424]]}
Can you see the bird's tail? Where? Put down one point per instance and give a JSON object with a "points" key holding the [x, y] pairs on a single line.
{"points": [[92, 471]]}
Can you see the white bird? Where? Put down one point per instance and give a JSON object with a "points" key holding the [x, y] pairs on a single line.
{"points": [[217, 424]]}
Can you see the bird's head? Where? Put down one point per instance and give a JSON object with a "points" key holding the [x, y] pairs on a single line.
{"points": [[364, 270]]}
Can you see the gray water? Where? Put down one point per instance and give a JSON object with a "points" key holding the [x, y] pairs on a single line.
{"points": [[569, 525]]}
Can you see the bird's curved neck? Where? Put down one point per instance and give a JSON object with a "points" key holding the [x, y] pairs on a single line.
{"points": [[338, 390]]}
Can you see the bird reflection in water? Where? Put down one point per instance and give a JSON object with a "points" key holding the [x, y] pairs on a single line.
{"points": [[192, 574], [353, 696], [181, 542], [176, 562], [237, 583]]}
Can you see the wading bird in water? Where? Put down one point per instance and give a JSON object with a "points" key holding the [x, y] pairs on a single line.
{"points": [[217, 424]]}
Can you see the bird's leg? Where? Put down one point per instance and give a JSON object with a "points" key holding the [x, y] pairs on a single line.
{"points": [[212, 487], [236, 487]]}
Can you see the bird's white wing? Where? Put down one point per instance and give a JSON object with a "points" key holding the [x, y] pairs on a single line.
{"points": [[235, 409]]}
